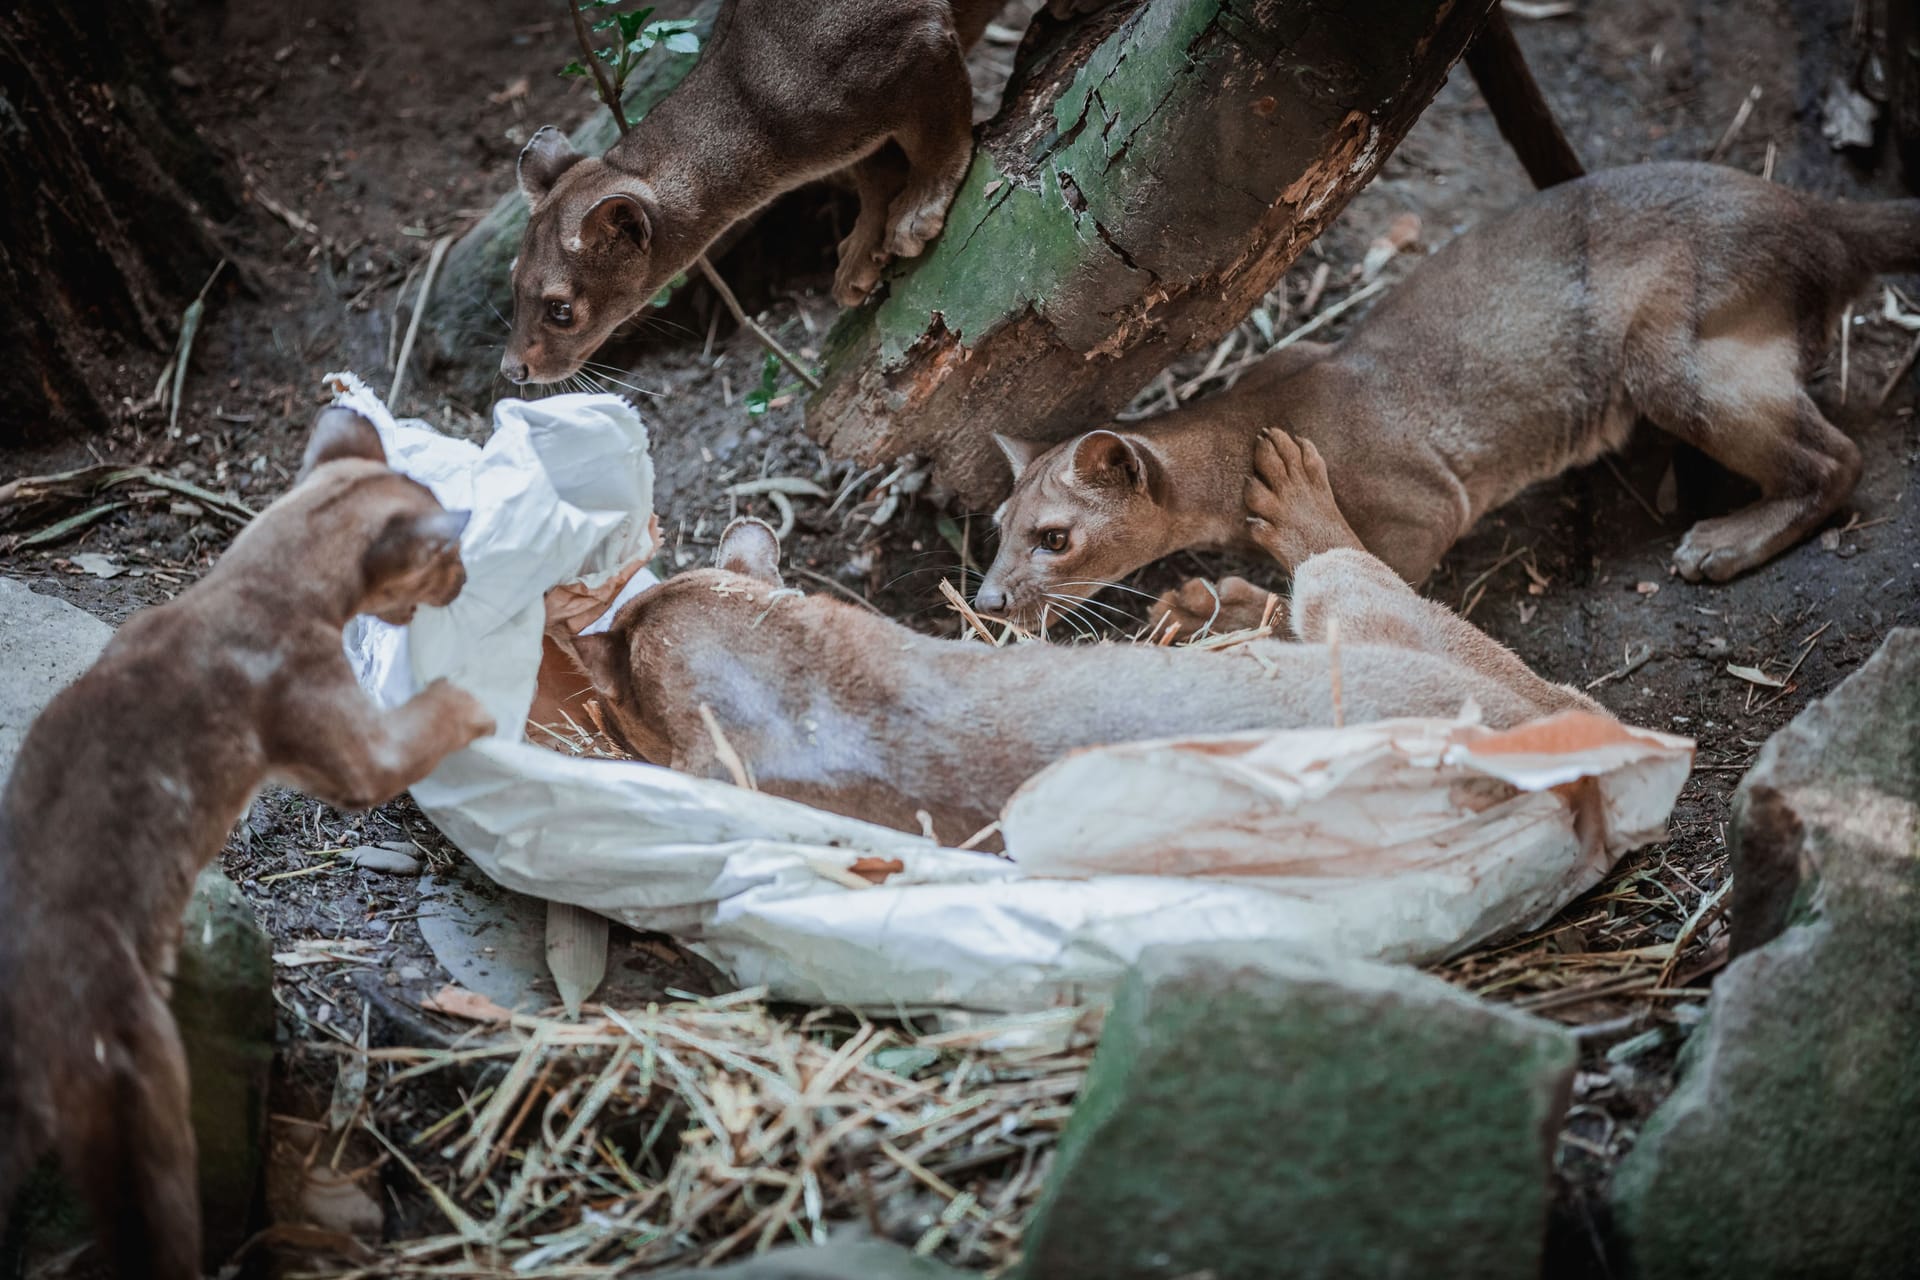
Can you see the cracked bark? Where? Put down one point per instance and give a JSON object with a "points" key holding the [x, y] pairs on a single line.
{"points": [[1156, 169]]}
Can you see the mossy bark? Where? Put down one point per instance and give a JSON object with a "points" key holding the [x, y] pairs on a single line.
{"points": [[1156, 169]]}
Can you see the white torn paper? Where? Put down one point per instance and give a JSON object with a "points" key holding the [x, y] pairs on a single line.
{"points": [[1408, 840]]}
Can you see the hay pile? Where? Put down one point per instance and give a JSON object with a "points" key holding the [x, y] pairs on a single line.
{"points": [[697, 1131]]}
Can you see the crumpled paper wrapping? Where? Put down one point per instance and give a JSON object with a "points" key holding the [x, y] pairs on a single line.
{"points": [[1408, 840]]}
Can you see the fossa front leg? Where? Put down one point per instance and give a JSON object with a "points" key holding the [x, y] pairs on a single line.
{"points": [[337, 745], [937, 137]]}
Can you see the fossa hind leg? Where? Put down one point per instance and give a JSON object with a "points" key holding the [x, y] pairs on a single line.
{"points": [[1740, 401], [877, 180], [128, 1145], [936, 134]]}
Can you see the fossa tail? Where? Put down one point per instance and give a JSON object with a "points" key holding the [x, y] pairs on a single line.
{"points": [[1883, 234]]}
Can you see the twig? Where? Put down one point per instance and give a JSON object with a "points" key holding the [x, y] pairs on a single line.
{"points": [[724, 750], [1900, 371], [1632, 492], [1736, 124], [413, 321], [760, 335], [1846, 333], [588, 56], [1352, 299], [1628, 668], [1701, 914], [841, 587]]}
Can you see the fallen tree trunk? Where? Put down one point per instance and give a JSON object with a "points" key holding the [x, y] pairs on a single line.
{"points": [[1153, 174], [104, 234]]}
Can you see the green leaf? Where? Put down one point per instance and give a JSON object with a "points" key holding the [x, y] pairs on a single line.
{"points": [[683, 42], [630, 24], [950, 530], [607, 24], [573, 69]]}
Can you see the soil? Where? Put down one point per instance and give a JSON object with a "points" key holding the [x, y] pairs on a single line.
{"points": [[387, 125]]}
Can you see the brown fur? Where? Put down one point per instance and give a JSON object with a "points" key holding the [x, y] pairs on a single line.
{"points": [[1696, 297], [833, 705], [127, 785], [785, 93]]}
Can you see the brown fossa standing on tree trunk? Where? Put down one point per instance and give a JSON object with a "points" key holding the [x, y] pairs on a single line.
{"points": [[1696, 297], [827, 703], [784, 93], [129, 781]]}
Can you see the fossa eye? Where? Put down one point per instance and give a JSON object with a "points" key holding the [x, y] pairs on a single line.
{"points": [[561, 313], [1054, 540]]}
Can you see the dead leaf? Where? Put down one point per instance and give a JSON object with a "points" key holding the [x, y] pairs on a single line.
{"points": [[514, 91], [1647, 588], [575, 605], [992, 187], [1526, 611], [1753, 675], [458, 1002], [1401, 233], [876, 870], [98, 565]]}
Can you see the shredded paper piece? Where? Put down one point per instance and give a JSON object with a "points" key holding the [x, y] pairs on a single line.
{"points": [[1407, 840]]}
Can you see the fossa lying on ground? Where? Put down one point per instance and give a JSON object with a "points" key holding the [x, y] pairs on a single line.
{"points": [[785, 93], [128, 783], [1696, 297], [830, 704]]}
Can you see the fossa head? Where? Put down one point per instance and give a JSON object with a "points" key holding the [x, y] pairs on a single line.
{"points": [[687, 609], [586, 259], [406, 544], [1082, 515]]}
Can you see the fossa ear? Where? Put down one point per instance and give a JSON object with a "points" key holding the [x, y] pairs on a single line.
{"points": [[1020, 453], [411, 541], [750, 546], [547, 155], [339, 432], [1107, 458], [613, 219]]}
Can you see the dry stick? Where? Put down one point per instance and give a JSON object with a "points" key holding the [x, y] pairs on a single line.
{"points": [[1632, 492], [724, 749], [741, 318], [413, 321], [1739, 121], [1846, 331], [1905, 367]]}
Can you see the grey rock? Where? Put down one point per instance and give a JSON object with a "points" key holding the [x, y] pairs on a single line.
{"points": [[1791, 1146], [373, 857], [856, 1260], [44, 645], [1252, 1114]]}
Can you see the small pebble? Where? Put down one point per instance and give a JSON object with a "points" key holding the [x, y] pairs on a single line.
{"points": [[371, 857]]}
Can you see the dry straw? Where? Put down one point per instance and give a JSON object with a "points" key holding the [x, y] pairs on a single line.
{"points": [[704, 1130]]}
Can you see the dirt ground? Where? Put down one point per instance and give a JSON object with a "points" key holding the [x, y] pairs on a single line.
{"points": [[389, 125]]}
